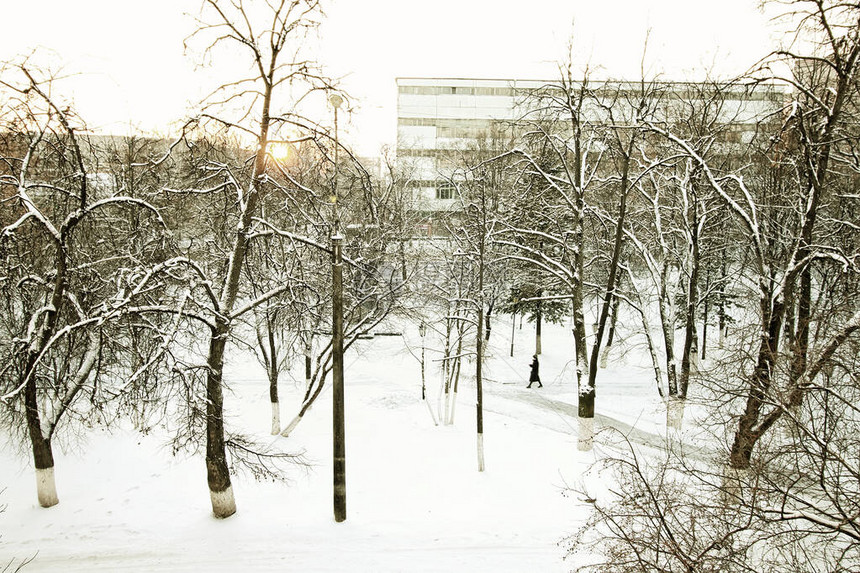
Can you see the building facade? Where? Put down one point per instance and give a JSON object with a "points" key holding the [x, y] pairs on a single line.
{"points": [[440, 118]]}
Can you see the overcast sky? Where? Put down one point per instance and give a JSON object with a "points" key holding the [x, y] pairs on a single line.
{"points": [[134, 72]]}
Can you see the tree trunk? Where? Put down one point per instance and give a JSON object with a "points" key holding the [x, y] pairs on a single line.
{"points": [[479, 348], [745, 435], [586, 396], [674, 412], [43, 456], [667, 323], [404, 276], [690, 336], [538, 321], [424, 381], [309, 398], [273, 381], [705, 317], [276, 418], [694, 351], [646, 329], [217, 471], [40, 438], [585, 442], [308, 363], [613, 320], [721, 301], [585, 402], [451, 403], [454, 365], [445, 387]]}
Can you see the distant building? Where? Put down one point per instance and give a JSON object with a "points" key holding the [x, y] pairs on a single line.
{"points": [[439, 117], [436, 116]]}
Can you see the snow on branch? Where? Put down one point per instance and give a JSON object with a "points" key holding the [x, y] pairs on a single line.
{"points": [[750, 218], [842, 527], [115, 201], [93, 352]]}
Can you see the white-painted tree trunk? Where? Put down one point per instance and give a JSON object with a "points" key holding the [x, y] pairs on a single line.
{"points": [[223, 502], [276, 418], [480, 452], [439, 409], [674, 413], [46, 488], [447, 416], [732, 485], [604, 358], [291, 426], [48, 416], [586, 434], [432, 415], [722, 338], [453, 408]]}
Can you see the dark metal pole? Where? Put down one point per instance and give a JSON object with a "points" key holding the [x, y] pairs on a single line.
{"points": [[339, 435], [479, 378], [337, 381]]}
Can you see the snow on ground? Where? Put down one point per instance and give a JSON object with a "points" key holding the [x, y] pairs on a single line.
{"points": [[415, 499]]}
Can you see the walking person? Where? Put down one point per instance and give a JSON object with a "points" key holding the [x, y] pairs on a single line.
{"points": [[534, 376]]}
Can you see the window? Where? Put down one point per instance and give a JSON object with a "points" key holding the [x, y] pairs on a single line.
{"points": [[445, 190]]}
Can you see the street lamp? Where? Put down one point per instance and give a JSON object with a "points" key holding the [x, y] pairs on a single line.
{"points": [[339, 438], [422, 330], [513, 324]]}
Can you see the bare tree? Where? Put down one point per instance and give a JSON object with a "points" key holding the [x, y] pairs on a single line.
{"points": [[77, 259], [815, 146], [559, 165], [785, 396], [271, 38], [372, 287], [581, 157]]}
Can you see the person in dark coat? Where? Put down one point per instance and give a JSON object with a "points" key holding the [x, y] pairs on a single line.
{"points": [[534, 376]]}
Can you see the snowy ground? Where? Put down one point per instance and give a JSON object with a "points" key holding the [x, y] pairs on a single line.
{"points": [[415, 499]]}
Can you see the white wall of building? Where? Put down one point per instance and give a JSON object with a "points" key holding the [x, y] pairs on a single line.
{"points": [[439, 114]]}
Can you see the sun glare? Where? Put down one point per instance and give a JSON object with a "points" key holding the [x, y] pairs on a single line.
{"points": [[281, 151]]}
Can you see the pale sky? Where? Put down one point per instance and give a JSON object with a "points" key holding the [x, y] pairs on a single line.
{"points": [[134, 72]]}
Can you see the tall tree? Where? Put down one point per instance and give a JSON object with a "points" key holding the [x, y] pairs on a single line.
{"points": [[559, 164], [272, 39], [807, 157], [580, 157], [76, 259]]}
